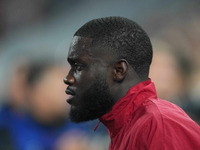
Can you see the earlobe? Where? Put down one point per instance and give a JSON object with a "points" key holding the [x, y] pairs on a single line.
{"points": [[120, 70]]}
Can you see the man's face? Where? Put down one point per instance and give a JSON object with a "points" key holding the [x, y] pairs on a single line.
{"points": [[87, 81]]}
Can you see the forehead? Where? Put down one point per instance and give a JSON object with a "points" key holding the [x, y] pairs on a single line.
{"points": [[79, 46], [82, 48]]}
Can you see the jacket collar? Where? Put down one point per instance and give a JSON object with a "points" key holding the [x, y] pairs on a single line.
{"points": [[127, 105]]}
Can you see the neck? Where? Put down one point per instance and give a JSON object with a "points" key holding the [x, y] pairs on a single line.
{"points": [[120, 89], [121, 112]]}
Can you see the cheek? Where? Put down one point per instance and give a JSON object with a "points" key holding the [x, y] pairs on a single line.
{"points": [[83, 79], [78, 77], [110, 77]]}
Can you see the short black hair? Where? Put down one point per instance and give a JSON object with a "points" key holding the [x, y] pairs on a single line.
{"points": [[125, 37]]}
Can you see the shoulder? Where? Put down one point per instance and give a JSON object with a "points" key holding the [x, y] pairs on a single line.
{"points": [[163, 125], [169, 117]]}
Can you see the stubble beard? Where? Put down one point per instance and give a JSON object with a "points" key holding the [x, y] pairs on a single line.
{"points": [[95, 102]]}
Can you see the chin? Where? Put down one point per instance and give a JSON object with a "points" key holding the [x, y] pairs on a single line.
{"points": [[78, 115]]}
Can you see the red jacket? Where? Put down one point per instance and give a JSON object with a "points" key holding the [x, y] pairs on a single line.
{"points": [[141, 121]]}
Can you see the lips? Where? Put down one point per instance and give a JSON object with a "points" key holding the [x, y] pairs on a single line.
{"points": [[69, 91], [70, 100]]}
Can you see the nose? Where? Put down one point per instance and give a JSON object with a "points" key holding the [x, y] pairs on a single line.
{"points": [[69, 80]]}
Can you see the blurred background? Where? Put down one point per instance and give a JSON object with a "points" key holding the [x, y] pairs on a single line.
{"points": [[34, 42]]}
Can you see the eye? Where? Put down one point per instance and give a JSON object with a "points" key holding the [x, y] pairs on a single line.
{"points": [[77, 67]]}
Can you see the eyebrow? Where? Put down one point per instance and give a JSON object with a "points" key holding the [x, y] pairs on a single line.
{"points": [[77, 59], [72, 60]]}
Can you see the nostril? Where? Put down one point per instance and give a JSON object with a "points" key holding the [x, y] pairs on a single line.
{"points": [[68, 80], [65, 81]]}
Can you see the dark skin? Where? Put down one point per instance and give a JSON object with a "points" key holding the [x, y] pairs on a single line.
{"points": [[89, 66]]}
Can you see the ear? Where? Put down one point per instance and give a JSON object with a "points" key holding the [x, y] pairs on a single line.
{"points": [[120, 70]]}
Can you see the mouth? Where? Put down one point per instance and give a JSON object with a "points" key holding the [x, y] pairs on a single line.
{"points": [[68, 91], [70, 100]]}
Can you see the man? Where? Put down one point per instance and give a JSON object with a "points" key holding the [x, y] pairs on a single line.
{"points": [[110, 59]]}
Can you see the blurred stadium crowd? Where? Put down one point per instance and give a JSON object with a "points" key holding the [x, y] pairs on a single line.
{"points": [[34, 40]]}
